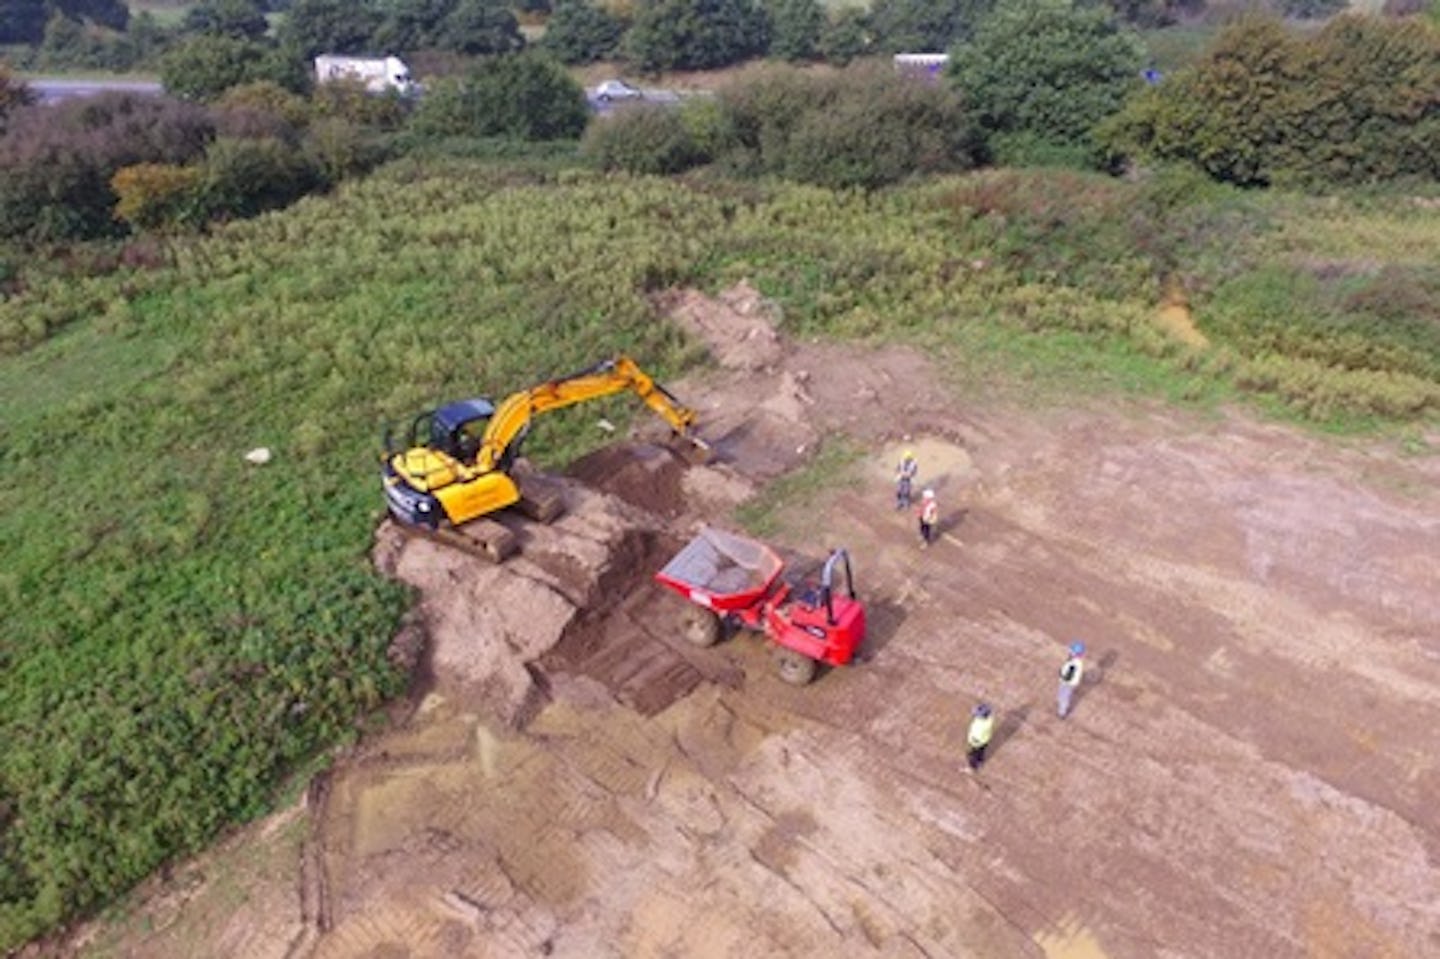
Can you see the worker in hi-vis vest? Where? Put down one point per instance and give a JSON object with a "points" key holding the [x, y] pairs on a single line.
{"points": [[905, 475], [1070, 675], [982, 727]]}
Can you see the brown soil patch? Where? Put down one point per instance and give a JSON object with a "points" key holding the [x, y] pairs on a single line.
{"points": [[1175, 318], [1249, 770]]}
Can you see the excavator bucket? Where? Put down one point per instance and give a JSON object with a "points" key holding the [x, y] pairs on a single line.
{"points": [[692, 449]]}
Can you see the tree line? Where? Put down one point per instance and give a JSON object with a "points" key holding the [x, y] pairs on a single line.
{"points": [[647, 34], [1037, 82]]}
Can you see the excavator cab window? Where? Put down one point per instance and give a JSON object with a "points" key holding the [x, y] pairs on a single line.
{"points": [[457, 429], [467, 440]]}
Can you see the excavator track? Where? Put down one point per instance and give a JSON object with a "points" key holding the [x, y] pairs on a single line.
{"points": [[481, 538], [541, 499]]}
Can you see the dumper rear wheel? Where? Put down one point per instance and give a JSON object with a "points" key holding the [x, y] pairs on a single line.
{"points": [[700, 626], [795, 668]]}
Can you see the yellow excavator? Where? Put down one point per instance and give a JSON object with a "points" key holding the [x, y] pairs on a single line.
{"points": [[457, 463]]}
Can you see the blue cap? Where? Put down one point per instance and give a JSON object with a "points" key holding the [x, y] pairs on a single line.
{"points": [[1077, 648], [982, 710]]}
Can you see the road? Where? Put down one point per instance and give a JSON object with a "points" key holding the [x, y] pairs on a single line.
{"points": [[52, 89]]}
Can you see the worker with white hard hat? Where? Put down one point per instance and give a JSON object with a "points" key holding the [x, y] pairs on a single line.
{"points": [[929, 517]]}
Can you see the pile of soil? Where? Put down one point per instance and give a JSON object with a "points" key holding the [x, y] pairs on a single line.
{"points": [[643, 475], [738, 327]]}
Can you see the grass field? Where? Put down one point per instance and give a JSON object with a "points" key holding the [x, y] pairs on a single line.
{"points": [[185, 627]]}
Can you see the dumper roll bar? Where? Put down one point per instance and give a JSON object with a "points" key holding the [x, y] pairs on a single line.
{"points": [[826, 577]]}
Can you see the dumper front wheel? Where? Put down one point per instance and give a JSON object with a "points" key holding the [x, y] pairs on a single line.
{"points": [[700, 626], [795, 668]]}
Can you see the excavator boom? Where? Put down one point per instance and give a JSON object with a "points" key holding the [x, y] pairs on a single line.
{"points": [[513, 415]]}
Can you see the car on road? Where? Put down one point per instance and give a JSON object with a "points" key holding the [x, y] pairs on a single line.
{"points": [[612, 90]]}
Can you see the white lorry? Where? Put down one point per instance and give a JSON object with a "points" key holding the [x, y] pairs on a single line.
{"points": [[378, 74]]}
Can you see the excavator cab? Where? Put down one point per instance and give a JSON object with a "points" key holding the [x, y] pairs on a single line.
{"points": [[455, 429], [459, 428]]}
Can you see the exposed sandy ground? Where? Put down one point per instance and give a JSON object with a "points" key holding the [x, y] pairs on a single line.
{"points": [[1250, 771]]}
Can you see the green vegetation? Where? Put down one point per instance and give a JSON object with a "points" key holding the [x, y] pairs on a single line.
{"points": [[696, 34], [521, 96], [207, 65], [1352, 103], [795, 28], [1043, 73], [184, 628], [863, 127], [581, 32]]}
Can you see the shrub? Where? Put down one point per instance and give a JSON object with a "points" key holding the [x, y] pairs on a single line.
{"points": [[246, 177], [268, 97], [921, 26], [241, 19], [338, 149], [56, 162], [207, 66], [845, 36], [524, 96], [313, 27], [646, 139], [862, 127], [1047, 68], [695, 34], [708, 124], [581, 32], [158, 195], [348, 100], [478, 27], [13, 94], [1320, 392], [1353, 103], [1026, 148], [795, 28]]}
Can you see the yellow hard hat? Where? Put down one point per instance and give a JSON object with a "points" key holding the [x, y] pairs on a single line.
{"points": [[909, 454]]}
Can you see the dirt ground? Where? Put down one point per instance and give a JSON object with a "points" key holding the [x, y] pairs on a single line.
{"points": [[1251, 769]]}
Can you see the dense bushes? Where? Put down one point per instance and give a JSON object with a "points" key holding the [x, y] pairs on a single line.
{"points": [[862, 127], [365, 26], [579, 31], [647, 139], [523, 96], [90, 168], [13, 94], [922, 26], [56, 162], [695, 34], [795, 28], [1357, 102], [1045, 72], [207, 66]]}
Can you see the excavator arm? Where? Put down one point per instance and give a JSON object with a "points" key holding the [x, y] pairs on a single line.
{"points": [[512, 417]]}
